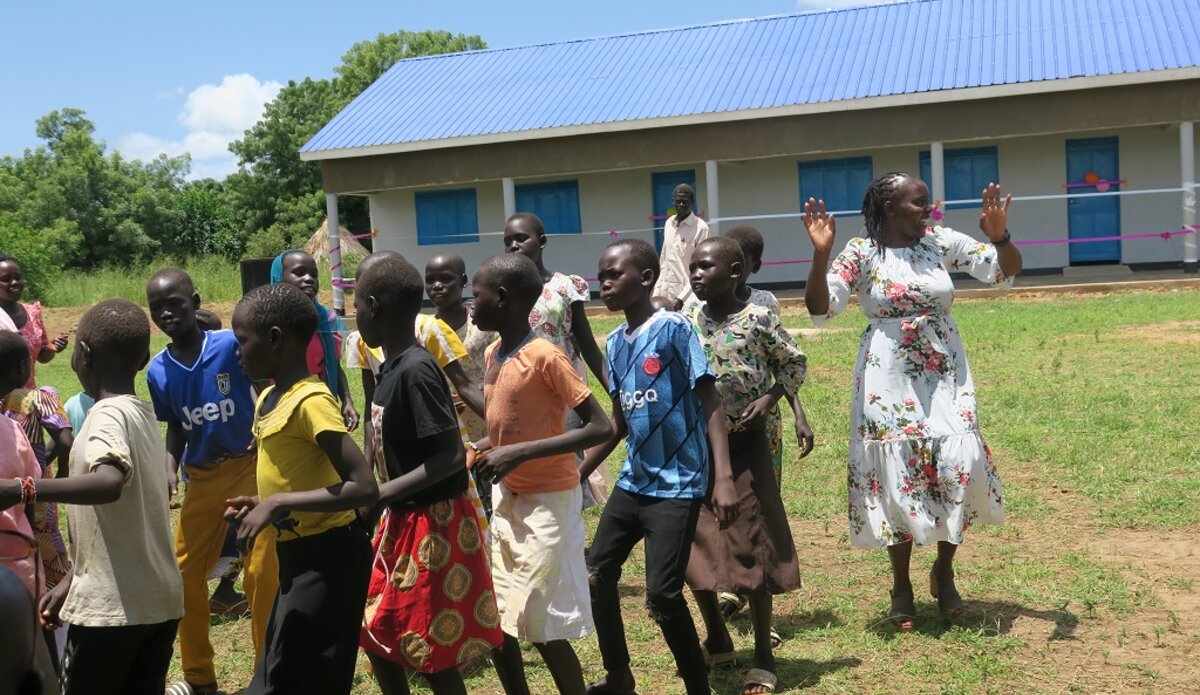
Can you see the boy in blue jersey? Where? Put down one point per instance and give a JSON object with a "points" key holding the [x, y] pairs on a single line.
{"points": [[665, 401], [200, 391]]}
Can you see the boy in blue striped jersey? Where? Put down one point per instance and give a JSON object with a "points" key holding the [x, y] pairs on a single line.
{"points": [[665, 402]]}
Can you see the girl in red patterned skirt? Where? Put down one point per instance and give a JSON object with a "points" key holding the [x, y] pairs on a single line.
{"points": [[430, 606]]}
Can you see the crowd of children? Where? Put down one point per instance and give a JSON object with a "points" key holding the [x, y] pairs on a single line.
{"points": [[460, 532]]}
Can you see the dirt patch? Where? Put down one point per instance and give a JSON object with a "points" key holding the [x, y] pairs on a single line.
{"points": [[1180, 332]]}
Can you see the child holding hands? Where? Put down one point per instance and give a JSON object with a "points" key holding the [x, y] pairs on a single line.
{"points": [[756, 363], [665, 401], [311, 478], [123, 596], [537, 534]]}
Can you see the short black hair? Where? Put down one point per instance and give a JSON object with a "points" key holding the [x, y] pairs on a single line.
{"points": [[13, 349], [395, 284], [282, 305], [686, 188], [728, 249], [641, 251], [515, 273], [6, 258], [878, 193], [375, 258], [533, 221], [116, 329], [176, 276], [749, 239], [208, 320]]}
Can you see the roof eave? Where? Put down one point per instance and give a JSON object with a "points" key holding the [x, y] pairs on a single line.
{"points": [[878, 102]]}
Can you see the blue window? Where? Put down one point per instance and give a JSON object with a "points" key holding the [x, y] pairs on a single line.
{"points": [[555, 202], [447, 217], [968, 171], [839, 182]]}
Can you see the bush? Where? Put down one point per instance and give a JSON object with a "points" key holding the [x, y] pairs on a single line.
{"points": [[216, 279]]}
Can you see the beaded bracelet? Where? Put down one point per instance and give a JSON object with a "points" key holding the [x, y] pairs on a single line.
{"points": [[28, 490]]}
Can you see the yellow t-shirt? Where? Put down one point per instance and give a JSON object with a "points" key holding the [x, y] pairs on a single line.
{"points": [[289, 458], [439, 339]]}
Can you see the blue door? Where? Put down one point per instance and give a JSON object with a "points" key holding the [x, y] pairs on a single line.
{"points": [[1093, 159], [664, 184]]}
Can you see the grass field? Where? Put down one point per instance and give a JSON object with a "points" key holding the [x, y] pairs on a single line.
{"points": [[1089, 404]]}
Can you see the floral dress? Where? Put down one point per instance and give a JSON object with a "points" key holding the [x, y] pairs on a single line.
{"points": [[918, 467], [768, 301], [551, 315], [476, 342], [34, 332], [749, 352]]}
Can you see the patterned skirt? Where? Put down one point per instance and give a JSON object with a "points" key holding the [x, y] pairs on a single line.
{"points": [[53, 551], [430, 604]]}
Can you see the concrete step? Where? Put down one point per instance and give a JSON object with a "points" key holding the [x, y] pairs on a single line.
{"points": [[1097, 271]]}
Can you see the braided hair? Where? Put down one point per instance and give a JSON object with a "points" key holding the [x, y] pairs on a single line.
{"points": [[879, 192]]}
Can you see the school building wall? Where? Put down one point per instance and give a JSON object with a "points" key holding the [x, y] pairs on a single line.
{"points": [[622, 200]]}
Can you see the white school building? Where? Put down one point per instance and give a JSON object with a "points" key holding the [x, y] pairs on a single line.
{"points": [[1083, 111]]}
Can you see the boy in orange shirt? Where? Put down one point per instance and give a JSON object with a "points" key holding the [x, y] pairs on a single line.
{"points": [[537, 535]]}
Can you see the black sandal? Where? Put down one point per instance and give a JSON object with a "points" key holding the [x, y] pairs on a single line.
{"points": [[952, 603], [903, 612]]}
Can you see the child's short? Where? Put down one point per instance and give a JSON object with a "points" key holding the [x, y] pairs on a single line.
{"points": [[430, 605], [538, 566]]}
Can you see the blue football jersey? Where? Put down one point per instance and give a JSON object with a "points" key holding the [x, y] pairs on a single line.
{"points": [[653, 372], [211, 399]]}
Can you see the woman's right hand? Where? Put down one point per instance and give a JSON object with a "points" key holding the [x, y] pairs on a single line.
{"points": [[820, 224]]}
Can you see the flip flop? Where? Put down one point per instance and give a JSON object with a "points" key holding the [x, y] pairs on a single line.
{"points": [[903, 614], [730, 604], [759, 678], [604, 689], [776, 639], [239, 608], [718, 659]]}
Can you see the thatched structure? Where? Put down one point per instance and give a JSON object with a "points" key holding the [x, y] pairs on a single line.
{"points": [[318, 243]]}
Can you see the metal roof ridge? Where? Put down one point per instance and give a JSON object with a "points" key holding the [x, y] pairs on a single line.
{"points": [[868, 5]]}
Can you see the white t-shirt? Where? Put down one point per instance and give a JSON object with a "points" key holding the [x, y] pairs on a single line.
{"points": [[124, 557]]}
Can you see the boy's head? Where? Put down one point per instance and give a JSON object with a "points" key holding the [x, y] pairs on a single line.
{"points": [[752, 245], [682, 199], [14, 362], [274, 325], [173, 301], [367, 262], [506, 287], [445, 277], [299, 269], [662, 303], [387, 297], [112, 343], [207, 320], [716, 268], [525, 234], [627, 273]]}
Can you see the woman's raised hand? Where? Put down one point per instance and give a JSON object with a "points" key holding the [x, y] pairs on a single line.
{"points": [[820, 225], [994, 220]]}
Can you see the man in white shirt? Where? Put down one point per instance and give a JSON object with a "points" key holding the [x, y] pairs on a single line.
{"points": [[683, 232]]}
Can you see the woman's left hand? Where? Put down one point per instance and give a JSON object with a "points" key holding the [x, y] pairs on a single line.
{"points": [[60, 343], [994, 219]]}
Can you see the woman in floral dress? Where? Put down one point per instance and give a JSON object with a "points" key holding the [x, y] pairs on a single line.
{"points": [[919, 469]]}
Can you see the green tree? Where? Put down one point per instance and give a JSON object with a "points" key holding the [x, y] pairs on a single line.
{"points": [[277, 196]]}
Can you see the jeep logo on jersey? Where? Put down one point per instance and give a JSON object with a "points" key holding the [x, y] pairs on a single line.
{"points": [[637, 399], [223, 383], [209, 412]]}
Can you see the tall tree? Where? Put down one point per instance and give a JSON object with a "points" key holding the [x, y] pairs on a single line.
{"points": [[277, 196]]}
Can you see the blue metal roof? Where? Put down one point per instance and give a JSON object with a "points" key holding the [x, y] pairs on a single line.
{"points": [[744, 65]]}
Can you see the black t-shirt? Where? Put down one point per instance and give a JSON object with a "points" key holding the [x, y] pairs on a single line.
{"points": [[416, 404]]}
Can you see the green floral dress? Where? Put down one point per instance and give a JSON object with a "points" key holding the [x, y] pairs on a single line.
{"points": [[749, 352], [918, 467]]}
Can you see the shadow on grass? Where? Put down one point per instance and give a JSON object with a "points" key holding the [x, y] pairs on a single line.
{"points": [[991, 618], [792, 624], [794, 674]]}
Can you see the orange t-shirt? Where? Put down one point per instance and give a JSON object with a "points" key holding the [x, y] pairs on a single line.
{"points": [[527, 396]]}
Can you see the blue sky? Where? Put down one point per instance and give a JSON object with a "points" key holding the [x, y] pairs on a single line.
{"points": [[191, 76]]}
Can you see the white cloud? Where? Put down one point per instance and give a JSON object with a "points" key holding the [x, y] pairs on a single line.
{"points": [[214, 115]]}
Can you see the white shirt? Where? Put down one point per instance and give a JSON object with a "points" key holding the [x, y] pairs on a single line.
{"points": [[679, 241]]}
